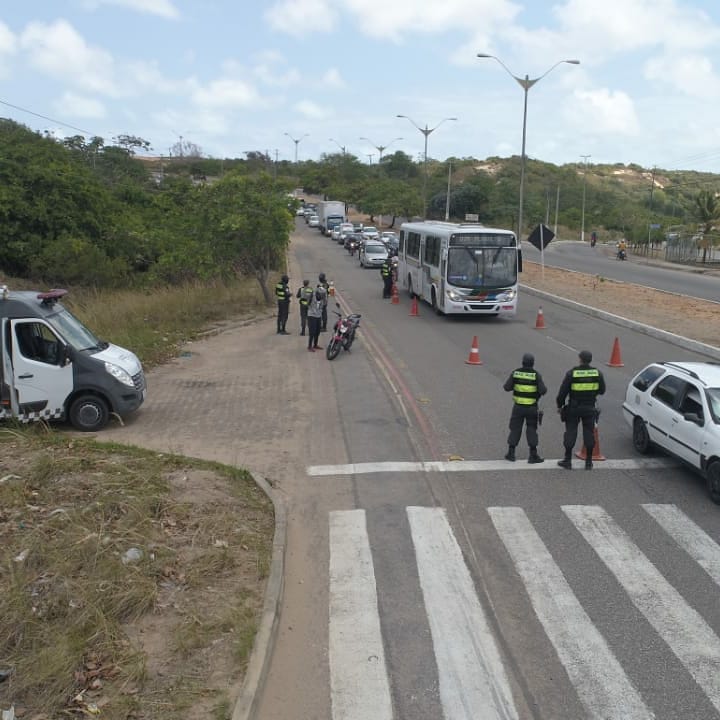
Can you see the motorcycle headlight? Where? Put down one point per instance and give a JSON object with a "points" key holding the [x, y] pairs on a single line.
{"points": [[119, 374]]}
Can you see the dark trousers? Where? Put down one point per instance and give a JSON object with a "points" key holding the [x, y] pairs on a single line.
{"points": [[387, 286], [282, 316], [576, 415], [303, 318], [527, 414], [323, 320], [313, 331]]}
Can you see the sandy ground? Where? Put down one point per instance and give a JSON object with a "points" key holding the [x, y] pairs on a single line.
{"points": [[695, 319]]}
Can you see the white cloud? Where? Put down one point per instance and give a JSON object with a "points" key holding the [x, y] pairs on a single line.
{"points": [[8, 42], [605, 112], [72, 105], [225, 93], [332, 78], [689, 74], [271, 69], [58, 50], [302, 17], [162, 8], [311, 110]]}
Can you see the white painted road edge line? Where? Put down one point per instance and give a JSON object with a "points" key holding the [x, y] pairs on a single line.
{"points": [[369, 468]]}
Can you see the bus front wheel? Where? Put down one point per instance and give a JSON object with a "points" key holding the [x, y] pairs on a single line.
{"points": [[435, 307]]}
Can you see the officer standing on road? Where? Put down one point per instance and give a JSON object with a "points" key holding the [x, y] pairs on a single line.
{"points": [[304, 295], [387, 275], [322, 282], [283, 295], [318, 303], [580, 387], [527, 388]]}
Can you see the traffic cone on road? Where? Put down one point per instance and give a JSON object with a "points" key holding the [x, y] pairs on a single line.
{"points": [[474, 357], [414, 312], [540, 320], [615, 360], [596, 455], [395, 295]]}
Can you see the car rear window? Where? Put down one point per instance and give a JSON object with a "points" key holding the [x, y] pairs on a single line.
{"points": [[647, 377]]}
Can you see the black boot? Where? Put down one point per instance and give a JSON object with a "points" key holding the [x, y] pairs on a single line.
{"points": [[534, 457], [566, 463], [510, 454], [588, 462]]}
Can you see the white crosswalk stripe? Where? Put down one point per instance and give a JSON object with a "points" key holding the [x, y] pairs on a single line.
{"points": [[602, 686], [472, 679], [473, 683], [679, 625]]}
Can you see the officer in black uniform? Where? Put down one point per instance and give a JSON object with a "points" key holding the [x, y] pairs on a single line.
{"points": [[283, 295], [304, 295], [322, 282], [387, 275], [527, 388], [580, 387]]}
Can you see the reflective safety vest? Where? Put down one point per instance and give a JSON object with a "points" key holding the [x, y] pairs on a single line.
{"points": [[306, 294], [386, 270], [525, 387], [585, 384], [282, 291]]}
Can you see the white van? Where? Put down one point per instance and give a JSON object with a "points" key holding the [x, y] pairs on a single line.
{"points": [[53, 367]]}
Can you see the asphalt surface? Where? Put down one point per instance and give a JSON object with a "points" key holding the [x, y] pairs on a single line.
{"points": [[406, 395]]}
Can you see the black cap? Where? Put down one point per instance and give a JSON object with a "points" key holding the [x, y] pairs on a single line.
{"points": [[585, 356], [528, 360], [284, 278], [321, 277]]}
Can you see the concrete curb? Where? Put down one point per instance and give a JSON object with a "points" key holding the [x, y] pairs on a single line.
{"points": [[683, 342], [266, 635]]}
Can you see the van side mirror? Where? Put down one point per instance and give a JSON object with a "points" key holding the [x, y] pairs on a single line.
{"points": [[65, 355]]}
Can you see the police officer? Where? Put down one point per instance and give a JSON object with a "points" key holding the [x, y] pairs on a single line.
{"points": [[322, 282], [387, 275], [283, 295], [580, 387], [527, 388], [304, 295]]}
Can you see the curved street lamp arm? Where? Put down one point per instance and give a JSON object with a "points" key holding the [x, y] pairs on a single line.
{"points": [[440, 123], [424, 130]]}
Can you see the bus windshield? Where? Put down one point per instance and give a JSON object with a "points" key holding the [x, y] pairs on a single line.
{"points": [[487, 268]]}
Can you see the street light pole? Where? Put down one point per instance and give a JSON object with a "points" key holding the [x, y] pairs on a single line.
{"points": [[582, 222], [381, 148], [297, 142], [447, 197], [342, 147], [525, 83], [426, 132]]}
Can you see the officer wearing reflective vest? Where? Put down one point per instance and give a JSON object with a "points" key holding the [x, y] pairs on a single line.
{"points": [[580, 388], [527, 388], [304, 295], [387, 275], [283, 295]]}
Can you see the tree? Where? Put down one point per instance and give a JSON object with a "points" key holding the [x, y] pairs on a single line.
{"points": [[708, 212]]}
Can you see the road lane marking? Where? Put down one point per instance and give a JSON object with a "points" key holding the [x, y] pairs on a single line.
{"points": [[359, 685], [472, 679], [602, 685], [689, 536], [368, 468], [690, 638]]}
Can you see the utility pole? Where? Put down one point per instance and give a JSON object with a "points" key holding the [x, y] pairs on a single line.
{"points": [[447, 197], [652, 187], [557, 205], [582, 231]]}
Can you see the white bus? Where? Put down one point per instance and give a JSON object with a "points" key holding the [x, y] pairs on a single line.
{"points": [[460, 268]]}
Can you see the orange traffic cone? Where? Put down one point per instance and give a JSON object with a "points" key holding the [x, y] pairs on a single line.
{"points": [[474, 357], [395, 295], [414, 307], [615, 360], [540, 320], [596, 455]]}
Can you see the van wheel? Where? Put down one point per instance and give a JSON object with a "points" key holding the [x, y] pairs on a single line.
{"points": [[89, 413], [640, 436], [713, 481]]}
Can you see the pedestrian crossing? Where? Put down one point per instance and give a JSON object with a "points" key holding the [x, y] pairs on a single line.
{"points": [[473, 679]]}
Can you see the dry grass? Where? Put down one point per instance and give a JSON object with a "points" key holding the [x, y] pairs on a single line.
{"points": [[77, 619]]}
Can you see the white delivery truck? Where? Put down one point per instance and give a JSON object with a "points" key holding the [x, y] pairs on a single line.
{"points": [[53, 367], [330, 214]]}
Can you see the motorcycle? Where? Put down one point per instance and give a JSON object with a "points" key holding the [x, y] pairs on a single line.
{"points": [[621, 255], [343, 334], [352, 246]]}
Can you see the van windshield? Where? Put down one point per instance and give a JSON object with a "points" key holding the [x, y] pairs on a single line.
{"points": [[74, 332]]}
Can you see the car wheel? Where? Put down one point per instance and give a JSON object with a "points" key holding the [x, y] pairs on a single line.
{"points": [[713, 481], [641, 437], [89, 413]]}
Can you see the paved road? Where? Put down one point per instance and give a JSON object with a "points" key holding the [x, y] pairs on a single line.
{"points": [[427, 577]]}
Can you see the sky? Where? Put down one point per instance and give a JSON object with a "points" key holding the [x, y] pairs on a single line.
{"points": [[320, 76]]}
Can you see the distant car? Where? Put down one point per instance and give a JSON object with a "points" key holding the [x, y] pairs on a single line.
{"points": [[372, 253], [357, 227], [387, 235], [371, 233], [335, 233], [314, 221], [675, 406], [300, 211], [391, 240]]}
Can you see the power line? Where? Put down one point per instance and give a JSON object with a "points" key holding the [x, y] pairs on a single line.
{"points": [[45, 117]]}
